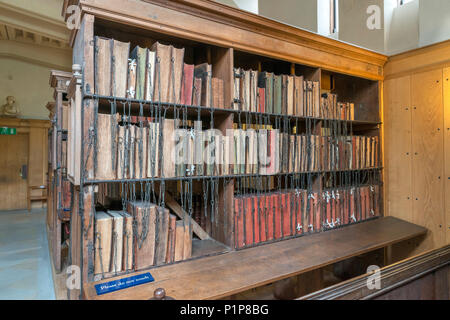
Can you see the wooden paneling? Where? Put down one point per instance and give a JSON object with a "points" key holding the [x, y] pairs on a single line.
{"points": [[13, 189], [446, 79], [238, 271], [398, 154], [428, 166]]}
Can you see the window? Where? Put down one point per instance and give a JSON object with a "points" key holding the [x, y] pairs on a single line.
{"points": [[402, 2], [334, 16]]}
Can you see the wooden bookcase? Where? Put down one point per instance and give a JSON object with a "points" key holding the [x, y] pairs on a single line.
{"points": [[226, 38]]}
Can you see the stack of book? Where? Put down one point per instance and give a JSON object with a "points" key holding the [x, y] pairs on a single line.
{"points": [[330, 108], [270, 216], [143, 236], [156, 74]]}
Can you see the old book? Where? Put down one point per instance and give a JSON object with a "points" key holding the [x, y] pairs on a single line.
{"points": [[284, 93], [170, 256], [237, 89], [187, 84], [298, 96], [316, 99], [215, 92], [127, 241], [176, 76], [253, 90], [106, 147], [162, 235], [119, 66], [270, 225], [140, 56], [150, 75], [262, 214], [286, 214], [204, 72], [103, 66], [197, 92], [187, 243], [276, 202], [290, 95], [163, 55], [168, 161], [132, 152], [277, 94], [131, 78], [246, 90], [103, 242], [144, 217], [153, 143], [261, 100], [266, 82], [117, 241], [179, 240], [198, 149], [140, 152]]}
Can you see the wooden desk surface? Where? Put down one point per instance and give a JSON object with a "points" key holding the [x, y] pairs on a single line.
{"points": [[230, 273]]}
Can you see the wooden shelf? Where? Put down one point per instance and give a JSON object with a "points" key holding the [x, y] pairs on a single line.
{"points": [[238, 271]]}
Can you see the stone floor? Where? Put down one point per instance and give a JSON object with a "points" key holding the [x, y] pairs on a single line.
{"points": [[25, 267]]}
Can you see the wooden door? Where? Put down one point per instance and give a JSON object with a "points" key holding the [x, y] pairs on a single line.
{"points": [[14, 155], [428, 156]]}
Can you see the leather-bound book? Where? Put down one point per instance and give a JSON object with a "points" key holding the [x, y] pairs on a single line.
{"points": [[106, 147], [277, 94], [162, 235], [248, 221], [187, 243], [298, 96], [199, 147], [131, 78], [170, 256], [215, 92], [262, 100], [150, 75], [263, 213], [140, 152], [284, 93], [204, 72], [253, 90], [153, 142], [352, 111], [286, 214], [117, 241], [197, 92], [269, 89], [316, 99], [187, 84], [121, 147], [256, 219], [179, 240], [238, 223], [168, 162], [140, 56], [163, 72], [276, 202], [345, 206], [270, 221], [300, 198], [246, 90], [176, 76], [119, 68], [127, 241], [290, 95], [103, 242], [102, 66], [131, 152], [144, 216], [237, 89], [317, 212]]}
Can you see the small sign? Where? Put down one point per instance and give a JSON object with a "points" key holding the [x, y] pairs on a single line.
{"points": [[123, 283], [8, 131]]}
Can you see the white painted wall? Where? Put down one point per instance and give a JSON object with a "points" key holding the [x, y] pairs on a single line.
{"points": [[247, 5], [301, 14], [323, 17], [434, 21], [403, 32]]}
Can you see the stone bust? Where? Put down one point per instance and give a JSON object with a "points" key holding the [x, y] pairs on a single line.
{"points": [[9, 109]]}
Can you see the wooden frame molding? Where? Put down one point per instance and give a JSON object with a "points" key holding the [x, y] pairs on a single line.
{"points": [[210, 22]]}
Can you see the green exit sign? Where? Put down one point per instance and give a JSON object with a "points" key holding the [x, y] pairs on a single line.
{"points": [[7, 131]]}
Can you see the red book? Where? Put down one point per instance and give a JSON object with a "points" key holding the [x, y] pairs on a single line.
{"points": [[276, 198], [354, 164], [327, 199], [248, 221], [286, 214], [238, 223], [298, 223], [262, 99], [368, 202], [263, 210], [187, 84], [344, 202], [256, 219], [376, 195], [270, 216], [353, 213], [338, 203]]}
